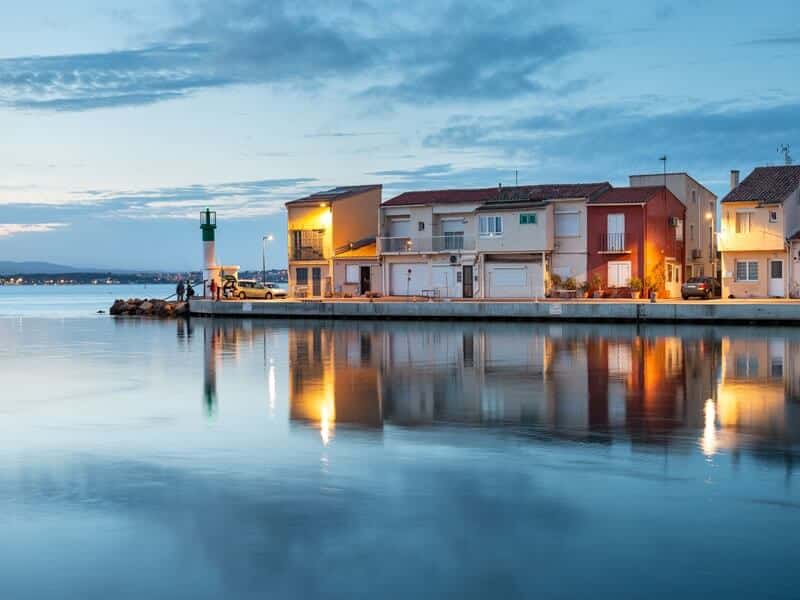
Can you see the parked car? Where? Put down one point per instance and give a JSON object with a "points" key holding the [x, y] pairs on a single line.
{"points": [[701, 287], [250, 288]]}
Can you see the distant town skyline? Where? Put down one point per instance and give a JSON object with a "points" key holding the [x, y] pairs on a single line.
{"points": [[122, 120]]}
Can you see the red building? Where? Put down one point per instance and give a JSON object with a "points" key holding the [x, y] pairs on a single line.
{"points": [[636, 232]]}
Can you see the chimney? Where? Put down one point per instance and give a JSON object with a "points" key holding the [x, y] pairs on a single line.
{"points": [[734, 178]]}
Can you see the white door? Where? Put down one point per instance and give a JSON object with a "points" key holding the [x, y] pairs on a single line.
{"points": [[616, 232], [775, 288], [409, 279], [514, 280]]}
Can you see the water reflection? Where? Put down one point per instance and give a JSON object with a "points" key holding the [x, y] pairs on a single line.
{"points": [[651, 385]]}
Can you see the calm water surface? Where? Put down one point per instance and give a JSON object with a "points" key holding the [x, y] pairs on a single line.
{"points": [[237, 459]]}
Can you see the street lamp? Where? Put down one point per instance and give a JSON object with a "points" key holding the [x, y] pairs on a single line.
{"points": [[264, 240]]}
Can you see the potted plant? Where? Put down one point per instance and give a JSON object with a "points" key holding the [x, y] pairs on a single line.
{"points": [[555, 284], [636, 287], [597, 286], [571, 286], [583, 289]]}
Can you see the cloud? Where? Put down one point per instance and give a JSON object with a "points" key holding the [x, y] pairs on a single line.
{"points": [[789, 40], [9, 229], [439, 54], [611, 140]]}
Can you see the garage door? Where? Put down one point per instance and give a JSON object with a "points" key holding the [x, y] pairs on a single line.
{"points": [[514, 280], [409, 279]]}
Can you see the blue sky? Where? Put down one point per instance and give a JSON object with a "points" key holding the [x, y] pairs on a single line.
{"points": [[121, 120]]}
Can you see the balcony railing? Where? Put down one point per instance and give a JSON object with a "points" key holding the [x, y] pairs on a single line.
{"points": [[435, 243], [613, 242], [307, 253]]}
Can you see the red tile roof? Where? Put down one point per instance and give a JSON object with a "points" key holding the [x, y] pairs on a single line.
{"points": [[493, 195], [769, 185], [628, 195]]}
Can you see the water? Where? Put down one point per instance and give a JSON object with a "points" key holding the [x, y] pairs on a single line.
{"points": [[239, 459], [72, 300]]}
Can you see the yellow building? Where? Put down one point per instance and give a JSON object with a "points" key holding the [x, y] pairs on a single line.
{"points": [[332, 248], [760, 234]]}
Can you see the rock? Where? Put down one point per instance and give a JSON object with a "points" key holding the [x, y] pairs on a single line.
{"points": [[146, 307], [118, 307], [181, 309], [154, 307]]}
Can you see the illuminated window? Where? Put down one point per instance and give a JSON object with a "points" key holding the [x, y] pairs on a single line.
{"points": [[743, 222], [773, 216]]}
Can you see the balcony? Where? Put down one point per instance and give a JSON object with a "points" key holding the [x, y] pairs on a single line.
{"points": [[613, 243], [306, 245], [437, 243], [308, 253]]}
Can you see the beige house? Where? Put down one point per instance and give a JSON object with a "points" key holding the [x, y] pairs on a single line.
{"points": [[700, 242], [484, 243], [332, 249], [760, 234]]}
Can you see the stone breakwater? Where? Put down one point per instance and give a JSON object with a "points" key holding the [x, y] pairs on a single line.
{"points": [[149, 308]]}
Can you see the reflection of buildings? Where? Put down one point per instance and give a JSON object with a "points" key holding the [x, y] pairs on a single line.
{"points": [[759, 387], [333, 377], [653, 385]]}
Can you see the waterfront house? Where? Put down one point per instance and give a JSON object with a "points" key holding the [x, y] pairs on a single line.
{"points": [[427, 242], [332, 242], [485, 243], [637, 232], [700, 243], [760, 234], [539, 230]]}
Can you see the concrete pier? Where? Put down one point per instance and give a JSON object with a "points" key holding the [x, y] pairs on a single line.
{"points": [[727, 311]]}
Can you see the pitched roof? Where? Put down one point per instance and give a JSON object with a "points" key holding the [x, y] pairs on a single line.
{"points": [[442, 197], [768, 185], [504, 195], [628, 195], [550, 191], [337, 193]]}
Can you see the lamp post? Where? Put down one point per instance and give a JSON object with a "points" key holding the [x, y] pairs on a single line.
{"points": [[264, 240]]}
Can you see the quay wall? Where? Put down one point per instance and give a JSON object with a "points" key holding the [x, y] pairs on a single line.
{"points": [[787, 313]]}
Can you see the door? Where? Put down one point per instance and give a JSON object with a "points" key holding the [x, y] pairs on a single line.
{"points": [[514, 280], [409, 279], [316, 281], [364, 278], [616, 232], [775, 289], [466, 281]]}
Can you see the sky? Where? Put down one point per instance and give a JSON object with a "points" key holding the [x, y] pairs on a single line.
{"points": [[121, 120]]}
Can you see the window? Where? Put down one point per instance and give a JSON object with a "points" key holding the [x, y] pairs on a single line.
{"points": [[301, 276], [773, 216], [527, 219], [746, 270], [421, 226], [670, 273], [568, 224], [743, 220], [746, 365], [691, 233], [619, 273], [694, 196], [351, 274], [679, 230], [491, 226]]}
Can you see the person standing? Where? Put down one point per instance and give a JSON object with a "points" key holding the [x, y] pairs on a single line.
{"points": [[213, 288], [179, 290]]}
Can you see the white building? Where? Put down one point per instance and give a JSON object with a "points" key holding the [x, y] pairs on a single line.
{"points": [[484, 243]]}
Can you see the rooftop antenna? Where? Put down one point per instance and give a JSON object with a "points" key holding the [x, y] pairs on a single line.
{"points": [[784, 149]]}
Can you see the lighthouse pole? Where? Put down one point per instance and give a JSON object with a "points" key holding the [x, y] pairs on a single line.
{"points": [[208, 224]]}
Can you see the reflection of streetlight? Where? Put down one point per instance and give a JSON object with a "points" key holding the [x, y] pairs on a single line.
{"points": [[709, 440], [264, 240]]}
